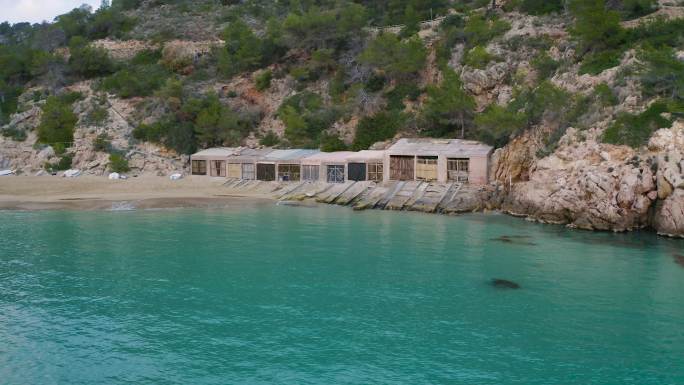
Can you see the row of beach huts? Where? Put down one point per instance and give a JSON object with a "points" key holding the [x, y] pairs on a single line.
{"points": [[439, 160]]}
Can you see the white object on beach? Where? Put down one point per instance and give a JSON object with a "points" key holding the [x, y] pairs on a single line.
{"points": [[114, 176], [176, 176], [6, 172], [72, 173]]}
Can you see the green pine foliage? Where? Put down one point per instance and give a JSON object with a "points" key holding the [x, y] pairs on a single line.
{"points": [[306, 118], [478, 57], [635, 129], [118, 163], [496, 124], [87, 61], [449, 108], [544, 65], [376, 128], [394, 57], [663, 74], [141, 77], [262, 80], [58, 121]]}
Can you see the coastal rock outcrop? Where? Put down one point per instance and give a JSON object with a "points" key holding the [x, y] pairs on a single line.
{"points": [[668, 144], [593, 187]]}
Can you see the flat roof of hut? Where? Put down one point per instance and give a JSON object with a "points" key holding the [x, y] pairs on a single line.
{"points": [[247, 155], [285, 156], [213, 153], [366, 156], [437, 147], [338, 157]]}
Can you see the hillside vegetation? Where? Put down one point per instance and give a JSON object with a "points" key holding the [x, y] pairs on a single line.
{"points": [[340, 74]]}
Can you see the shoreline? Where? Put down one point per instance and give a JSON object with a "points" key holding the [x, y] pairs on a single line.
{"points": [[92, 193], [28, 193]]}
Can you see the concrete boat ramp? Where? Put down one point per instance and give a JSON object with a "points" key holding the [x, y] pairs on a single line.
{"points": [[429, 197]]}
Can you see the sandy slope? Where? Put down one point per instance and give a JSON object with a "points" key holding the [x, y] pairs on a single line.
{"points": [[92, 192]]}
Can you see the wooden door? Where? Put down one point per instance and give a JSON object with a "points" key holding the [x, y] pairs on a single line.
{"points": [[426, 168], [234, 170], [266, 172], [402, 167]]}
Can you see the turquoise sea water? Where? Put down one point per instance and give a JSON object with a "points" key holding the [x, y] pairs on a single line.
{"points": [[265, 294]]}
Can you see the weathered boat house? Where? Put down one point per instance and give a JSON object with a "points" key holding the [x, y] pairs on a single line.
{"points": [[441, 160], [328, 167], [242, 165], [282, 165], [211, 161], [366, 165]]}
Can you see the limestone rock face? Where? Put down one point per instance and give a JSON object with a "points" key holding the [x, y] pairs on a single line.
{"points": [[478, 81], [668, 145], [593, 187], [513, 162], [669, 216]]}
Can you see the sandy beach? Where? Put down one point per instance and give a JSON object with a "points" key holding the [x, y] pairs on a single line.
{"points": [[96, 193]]}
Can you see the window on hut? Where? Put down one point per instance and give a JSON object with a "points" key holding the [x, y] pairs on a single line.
{"points": [[457, 169], [375, 172], [248, 171], [289, 172], [310, 172], [335, 174], [199, 167]]}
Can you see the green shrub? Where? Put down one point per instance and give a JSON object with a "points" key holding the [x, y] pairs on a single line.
{"points": [[663, 74], [102, 143], [397, 58], [138, 80], [448, 107], [632, 9], [89, 62], [146, 57], [596, 28], [379, 127], [118, 163], [58, 121], [271, 139], [14, 134], [97, 116], [543, 100], [496, 124], [375, 83], [478, 57], [149, 132], [479, 30], [331, 143], [544, 65], [400, 92], [262, 80], [635, 130], [604, 95], [541, 7], [595, 63], [657, 33], [63, 164]]}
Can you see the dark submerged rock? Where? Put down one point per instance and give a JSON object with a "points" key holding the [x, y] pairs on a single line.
{"points": [[679, 259], [514, 239], [504, 284]]}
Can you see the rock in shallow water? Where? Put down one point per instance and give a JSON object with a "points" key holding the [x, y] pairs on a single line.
{"points": [[679, 259], [504, 284]]}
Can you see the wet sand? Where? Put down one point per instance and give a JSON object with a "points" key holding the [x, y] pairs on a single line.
{"points": [[100, 193]]}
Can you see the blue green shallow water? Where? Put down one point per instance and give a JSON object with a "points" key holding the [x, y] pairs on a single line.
{"points": [[264, 294]]}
